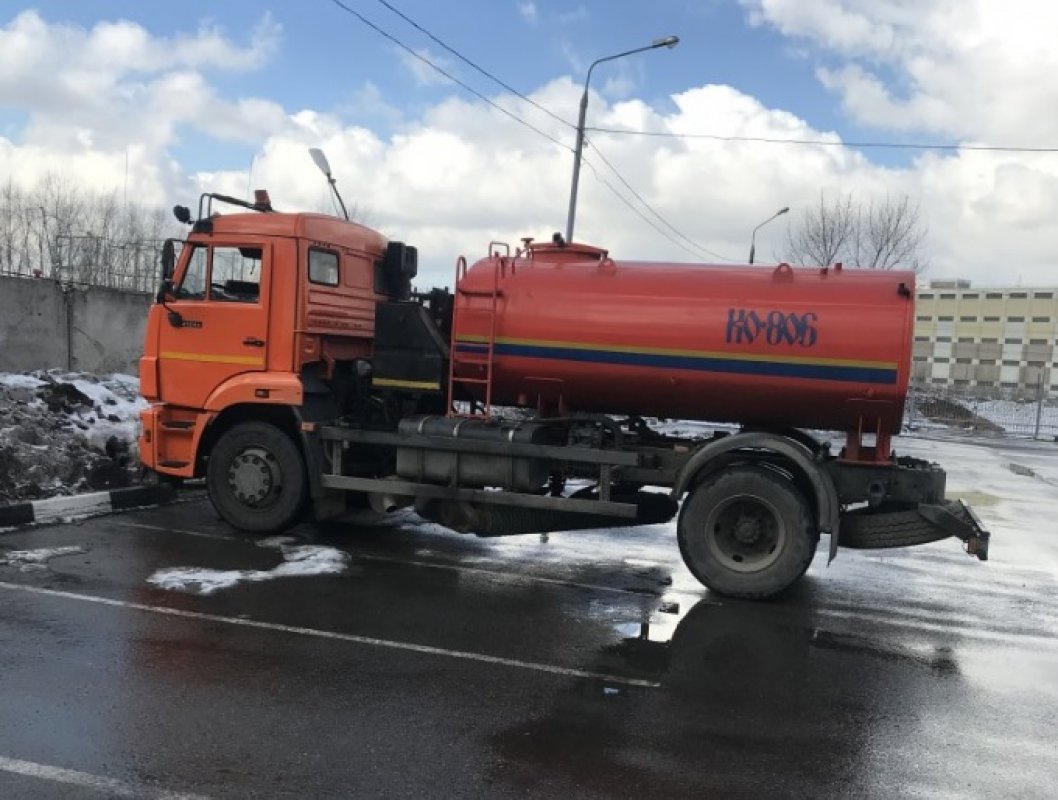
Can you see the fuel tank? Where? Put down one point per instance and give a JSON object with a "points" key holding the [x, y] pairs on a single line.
{"points": [[573, 330]]}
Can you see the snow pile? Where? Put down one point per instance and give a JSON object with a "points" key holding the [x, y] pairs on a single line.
{"points": [[299, 560], [64, 433]]}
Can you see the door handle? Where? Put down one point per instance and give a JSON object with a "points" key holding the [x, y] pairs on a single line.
{"points": [[250, 341]]}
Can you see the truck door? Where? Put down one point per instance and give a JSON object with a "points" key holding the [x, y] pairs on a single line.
{"points": [[220, 328]]}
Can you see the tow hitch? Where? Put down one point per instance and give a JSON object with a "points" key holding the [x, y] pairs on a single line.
{"points": [[959, 520]]}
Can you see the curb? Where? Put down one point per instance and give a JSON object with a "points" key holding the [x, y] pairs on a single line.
{"points": [[53, 509]]}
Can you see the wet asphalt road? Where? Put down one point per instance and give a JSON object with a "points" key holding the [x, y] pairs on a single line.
{"points": [[440, 665]]}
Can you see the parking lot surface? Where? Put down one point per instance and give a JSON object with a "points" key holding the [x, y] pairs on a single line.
{"points": [[161, 654]]}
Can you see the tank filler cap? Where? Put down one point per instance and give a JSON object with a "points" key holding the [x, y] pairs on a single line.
{"points": [[551, 253]]}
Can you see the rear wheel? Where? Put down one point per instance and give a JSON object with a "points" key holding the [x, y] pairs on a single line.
{"points": [[747, 532], [256, 478]]}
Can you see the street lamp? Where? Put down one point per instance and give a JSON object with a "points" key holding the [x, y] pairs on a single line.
{"points": [[667, 41], [320, 160], [753, 238]]}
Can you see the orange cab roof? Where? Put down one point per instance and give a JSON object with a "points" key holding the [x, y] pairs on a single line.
{"points": [[317, 227]]}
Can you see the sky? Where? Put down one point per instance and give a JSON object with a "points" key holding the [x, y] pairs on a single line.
{"points": [[162, 101]]}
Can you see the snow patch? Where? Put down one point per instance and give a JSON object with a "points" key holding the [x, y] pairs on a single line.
{"points": [[36, 559], [298, 561], [19, 381]]}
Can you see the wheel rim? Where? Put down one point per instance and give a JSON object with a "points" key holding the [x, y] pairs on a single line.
{"points": [[745, 533], [254, 477]]}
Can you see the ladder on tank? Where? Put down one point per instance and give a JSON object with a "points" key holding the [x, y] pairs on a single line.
{"points": [[477, 355]]}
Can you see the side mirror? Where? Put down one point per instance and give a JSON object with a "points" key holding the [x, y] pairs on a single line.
{"points": [[402, 260], [168, 260], [182, 214], [164, 290], [410, 266]]}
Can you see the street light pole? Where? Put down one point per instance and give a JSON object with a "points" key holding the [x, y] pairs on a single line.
{"points": [[668, 41], [753, 238]]}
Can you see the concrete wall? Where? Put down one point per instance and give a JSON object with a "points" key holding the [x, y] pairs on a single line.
{"points": [[90, 329]]}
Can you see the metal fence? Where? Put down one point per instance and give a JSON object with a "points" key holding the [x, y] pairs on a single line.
{"points": [[982, 410], [87, 260]]}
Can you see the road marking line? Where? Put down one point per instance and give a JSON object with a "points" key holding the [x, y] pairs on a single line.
{"points": [[495, 573], [389, 644], [112, 786], [200, 534]]}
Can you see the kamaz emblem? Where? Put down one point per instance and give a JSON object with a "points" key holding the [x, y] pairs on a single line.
{"points": [[775, 327]]}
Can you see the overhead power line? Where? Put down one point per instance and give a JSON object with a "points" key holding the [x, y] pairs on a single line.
{"points": [[471, 64], [447, 74], [825, 142], [644, 217], [701, 250], [697, 252]]}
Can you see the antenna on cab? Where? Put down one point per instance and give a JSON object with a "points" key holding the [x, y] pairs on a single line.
{"points": [[320, 160]]}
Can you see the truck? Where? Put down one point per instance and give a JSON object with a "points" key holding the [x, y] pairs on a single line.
{"points": [[289, 362]]}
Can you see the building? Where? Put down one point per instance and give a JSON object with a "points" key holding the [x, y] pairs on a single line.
{"points": [[1003, 341]]}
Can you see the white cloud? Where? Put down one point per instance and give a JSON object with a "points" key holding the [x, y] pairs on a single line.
{"points": [[96, 96], [977, 70], [460, 174], [464, 175]]}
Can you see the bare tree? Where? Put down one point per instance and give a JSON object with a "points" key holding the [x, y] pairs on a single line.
{"points": [[62, 231], [883, 234]]}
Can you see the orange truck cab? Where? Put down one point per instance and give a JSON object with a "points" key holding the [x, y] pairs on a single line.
{"points": [[258, 315]]}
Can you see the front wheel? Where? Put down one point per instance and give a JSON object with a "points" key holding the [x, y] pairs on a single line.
{"points": [[747, 532], [256, 478]]}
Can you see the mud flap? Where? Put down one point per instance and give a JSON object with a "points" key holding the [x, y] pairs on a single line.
{"points": [[833, 542]]}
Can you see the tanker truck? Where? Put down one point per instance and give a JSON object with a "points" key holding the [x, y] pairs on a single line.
{"points": [[288, 362]]}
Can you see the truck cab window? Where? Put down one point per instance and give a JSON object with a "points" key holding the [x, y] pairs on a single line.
{"points": [[193, 284], [323, 267], [236, 275]]}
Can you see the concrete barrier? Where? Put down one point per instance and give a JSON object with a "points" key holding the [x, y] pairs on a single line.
{"points": [[48, 325]]}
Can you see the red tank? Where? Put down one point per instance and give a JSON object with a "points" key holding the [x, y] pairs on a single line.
{"points": [[777, 346]]}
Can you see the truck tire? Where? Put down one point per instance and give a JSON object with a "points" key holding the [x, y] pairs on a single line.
{"points": [[256, 478], [747, 532], [888, 529]]}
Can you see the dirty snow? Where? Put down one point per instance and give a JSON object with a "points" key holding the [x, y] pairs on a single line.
{"points": [[62, 433], [299, 560]]}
